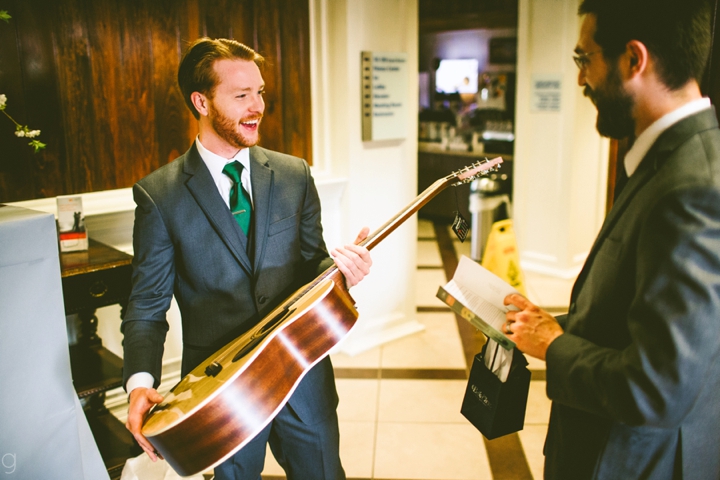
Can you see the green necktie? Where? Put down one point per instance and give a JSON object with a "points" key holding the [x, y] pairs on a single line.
{"points": [[240, 205]]}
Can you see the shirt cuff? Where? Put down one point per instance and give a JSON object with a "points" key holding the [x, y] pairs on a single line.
{"points": [[140, 379]]}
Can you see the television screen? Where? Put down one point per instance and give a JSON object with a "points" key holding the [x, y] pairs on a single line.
{"points": [[457, 76]]}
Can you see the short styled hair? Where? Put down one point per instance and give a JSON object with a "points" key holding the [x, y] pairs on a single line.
{"points": [[676, 33], [196, 72]]}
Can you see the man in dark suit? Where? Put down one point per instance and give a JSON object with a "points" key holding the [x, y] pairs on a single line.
{"points": [[231, 229], [633, 370]]}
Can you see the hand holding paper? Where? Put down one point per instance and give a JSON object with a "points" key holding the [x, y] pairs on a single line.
{"points": [[533, 329], [483, 292]]}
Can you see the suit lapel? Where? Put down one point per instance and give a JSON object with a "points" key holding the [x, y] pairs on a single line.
{"points": [[261, 176], [671, 139], [203, 189]]}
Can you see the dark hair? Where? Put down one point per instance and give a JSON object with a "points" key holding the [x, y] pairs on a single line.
{"points": [[196, 72], [676, 33]]}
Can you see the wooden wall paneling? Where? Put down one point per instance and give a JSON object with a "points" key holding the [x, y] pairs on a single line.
{"points": [[77, 93], [173, 118], [14, 153], [267, 31], [242, 22], [190, 28], [295, 56], [42, 97], [99, 78], [103, 19], [137, 115], [217, 22]]}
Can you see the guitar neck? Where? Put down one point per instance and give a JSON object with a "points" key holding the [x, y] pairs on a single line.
{"points": [[428, 194], [379, 235], [465, 175]]}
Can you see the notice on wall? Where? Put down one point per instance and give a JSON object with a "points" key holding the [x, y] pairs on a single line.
{"points": [[384, 85], [546, 93]]}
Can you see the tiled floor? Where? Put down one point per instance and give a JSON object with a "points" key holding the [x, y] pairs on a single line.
{"points": [[405, 423]]}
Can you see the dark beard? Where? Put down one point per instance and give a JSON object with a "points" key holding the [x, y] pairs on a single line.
{"points": [[227, 129], [614, 107]]}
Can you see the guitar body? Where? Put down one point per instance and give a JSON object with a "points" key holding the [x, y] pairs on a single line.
{"points": [[206, 418], [228, 399]]}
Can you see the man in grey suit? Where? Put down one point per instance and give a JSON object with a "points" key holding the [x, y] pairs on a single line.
{"points": [[231, 229], [633, 370]]}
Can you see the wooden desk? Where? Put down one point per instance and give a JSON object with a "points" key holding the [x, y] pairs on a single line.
{"points": [[92, 279]]}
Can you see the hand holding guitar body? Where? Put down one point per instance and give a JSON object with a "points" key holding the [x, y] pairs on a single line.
{"points": [[141, 401]]}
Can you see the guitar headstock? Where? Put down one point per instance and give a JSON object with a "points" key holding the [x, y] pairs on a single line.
{"points": [[477, 169]]}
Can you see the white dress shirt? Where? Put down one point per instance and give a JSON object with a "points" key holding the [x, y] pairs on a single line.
{"points": [[647, 138], [215, 163]]}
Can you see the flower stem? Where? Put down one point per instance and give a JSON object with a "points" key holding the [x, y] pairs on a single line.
{"points": [[11, 119]]}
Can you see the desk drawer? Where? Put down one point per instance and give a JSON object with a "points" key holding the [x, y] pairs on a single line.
{"points": [[97, 289]]}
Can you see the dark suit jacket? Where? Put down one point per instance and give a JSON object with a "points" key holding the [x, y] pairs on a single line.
{"points": [[635, 380], [187, 243]]}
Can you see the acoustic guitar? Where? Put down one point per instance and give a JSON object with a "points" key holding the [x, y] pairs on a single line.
{"points": [[228, 399]]}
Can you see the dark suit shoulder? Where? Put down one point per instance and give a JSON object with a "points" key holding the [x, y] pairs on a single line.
{"points": [[689, 154], [696, 162], [280, 162]]}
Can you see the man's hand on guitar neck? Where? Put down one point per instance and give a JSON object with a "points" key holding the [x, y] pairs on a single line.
{"points": [[353, 261], [141, 401]]}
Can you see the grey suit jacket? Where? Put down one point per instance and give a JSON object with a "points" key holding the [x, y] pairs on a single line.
{"points": [[187, 243], [635, 378]]}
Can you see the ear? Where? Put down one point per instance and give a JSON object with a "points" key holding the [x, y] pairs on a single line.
{"points": [[200, 102], [638, 58]]}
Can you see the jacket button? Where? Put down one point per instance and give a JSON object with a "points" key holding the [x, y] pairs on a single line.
{"points": [[573, 307], [262, 299]]}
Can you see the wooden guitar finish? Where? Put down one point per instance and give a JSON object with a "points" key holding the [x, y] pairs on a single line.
{"points": [[228, 399]]}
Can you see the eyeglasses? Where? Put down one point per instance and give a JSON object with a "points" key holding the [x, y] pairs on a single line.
{"points": [[582, 60]]}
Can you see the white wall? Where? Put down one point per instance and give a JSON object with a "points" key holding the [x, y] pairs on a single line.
{"points": [[381, 176], [560, 160]]}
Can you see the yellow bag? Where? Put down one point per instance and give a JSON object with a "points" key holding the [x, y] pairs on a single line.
{"points": [[501, 255]]}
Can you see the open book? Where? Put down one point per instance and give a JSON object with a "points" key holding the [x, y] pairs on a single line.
{"points": [[477, 295]]}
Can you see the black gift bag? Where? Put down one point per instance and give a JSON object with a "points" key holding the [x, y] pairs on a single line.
{"points": [[494, 407]]}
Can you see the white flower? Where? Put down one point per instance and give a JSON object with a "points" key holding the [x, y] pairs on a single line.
{"points": [[3, 101], [20, 133], [32, 133]]}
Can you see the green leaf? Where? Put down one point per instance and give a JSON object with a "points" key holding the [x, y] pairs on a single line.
{"points": [[37, 144], [4, 16]]}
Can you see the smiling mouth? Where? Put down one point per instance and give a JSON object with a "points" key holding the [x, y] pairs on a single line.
{"points": [[251, 124]]}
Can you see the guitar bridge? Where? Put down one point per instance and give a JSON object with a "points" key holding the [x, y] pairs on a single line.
{"points": [[213, 369]]}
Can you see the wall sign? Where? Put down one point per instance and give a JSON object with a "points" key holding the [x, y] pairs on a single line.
{"points": [[384, 84], [546, 93]]}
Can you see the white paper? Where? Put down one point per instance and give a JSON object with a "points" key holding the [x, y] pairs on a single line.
{"points": [[142, 468], [483, 292]]}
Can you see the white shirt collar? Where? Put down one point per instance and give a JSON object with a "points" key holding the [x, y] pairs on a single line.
{"points": [[647, 138], [215, 163]]}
